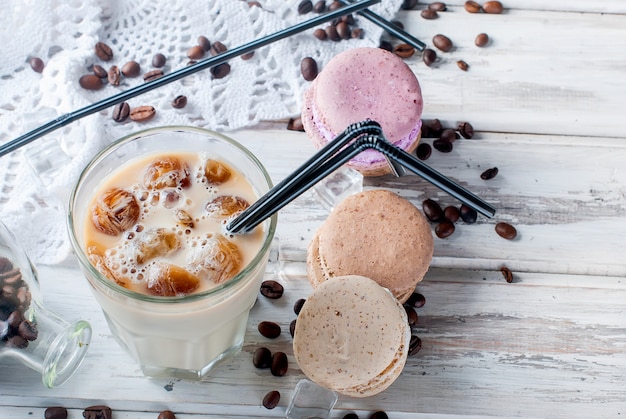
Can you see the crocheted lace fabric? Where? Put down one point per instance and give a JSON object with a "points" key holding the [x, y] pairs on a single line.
{"points": [[35, 180]]}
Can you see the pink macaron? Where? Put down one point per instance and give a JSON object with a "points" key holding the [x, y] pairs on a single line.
{"points": [[360, 84]]}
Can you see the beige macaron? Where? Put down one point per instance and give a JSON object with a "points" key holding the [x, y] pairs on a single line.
{"points": [[352, 336], [377, 234]]}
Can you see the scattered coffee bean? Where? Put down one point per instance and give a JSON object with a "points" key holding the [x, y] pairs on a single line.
{"points": [[332, 34], [335, 5], [270, 330], [196, 52], [507, 274], [442, 42], [506, 231], [167, 414], [320, 6], [415, 344], [448, 135], [469, 215], [432, 210], [472, 7], [90, 82], [357, 33], [17, 342], [121, 111], [379, 415], [99, 71], [55, 412], [411, 315], [191, 62], [298, 305], [131, 69], [98, 412], [103, 51], [280, 364], [255, 4], [262, 358], [404, 50], [452, 214], [423, 151], [247, 56], [179, 102], [272, 289], [481, 40], [466, 130], [442, 146], [429, 14], [308, 68], [295, 124], [305, 7], [36, 64], [432, 128], [204, 42], [429, 56], [350, 416], [489, 173], [416, 300], [158, 60], [408, 4], [462, 65], [444, 229], [292, 327], [217, 48], [320, 34], [114, 76], [493, 7], [271, 399], [152, 75], [438, 6], [142, 113], [220, 71], [343, 30]]}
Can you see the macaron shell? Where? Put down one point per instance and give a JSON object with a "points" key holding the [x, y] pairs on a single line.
{"points": [[314, 271]]}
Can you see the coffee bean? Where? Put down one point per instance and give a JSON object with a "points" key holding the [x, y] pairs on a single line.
{"points": [[416, 300], [429, 56], [429, 14], [320, 34], [305, 7], [121, 111], [158, 60], [423, 151], [335, 5], [270, 330], [280, 364], [415, 344], [204, 42], [408, 4], [103, 51], [167, 414], [492, 7], [220, 71], [404, 50], [442, 146], [272, 289], [438, 6], [142, 113], [432, 209], [411, 315], [271, 399], [331, 33], [452, 214], [152, 75], [90, 82], [308, 68], [448, 134], [131, 69], [379, 415], [114, 76], [432, 128], [179, 102], [320, 6], [350, 416], [217, 48], [442, 42], [507, 274], [472, 7], [98, 412], [481, 40], [506, 231], [489, 173], [196, 52], [298, 305], [343, 30], [99, 71], [255, 4], [247, 56], [444, 229], [357, 33], [14, 319], [36, 64], [295, 124], [466, 130], [262, 358], [17, 342], [469, 215], [55, 412], [292, 327], [462, 65], [349, 19]]}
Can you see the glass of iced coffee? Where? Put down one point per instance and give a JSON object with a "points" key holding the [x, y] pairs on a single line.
{"points": [[147, 220]]}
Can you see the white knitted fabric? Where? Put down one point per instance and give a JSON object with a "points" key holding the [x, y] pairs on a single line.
{"points": [[64, 33]]}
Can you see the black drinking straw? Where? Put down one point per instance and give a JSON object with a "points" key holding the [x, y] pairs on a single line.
{"points": [[68, 118], [366, 135]]}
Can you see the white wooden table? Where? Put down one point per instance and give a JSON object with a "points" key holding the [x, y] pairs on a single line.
{"points": [[547, 99]]}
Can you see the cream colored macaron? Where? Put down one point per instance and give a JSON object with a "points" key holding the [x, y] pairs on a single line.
{"points": [[352, 336], [376, 234]]}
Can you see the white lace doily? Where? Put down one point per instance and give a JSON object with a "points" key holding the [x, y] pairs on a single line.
{"points": [[269, 86]]}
